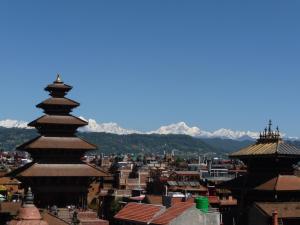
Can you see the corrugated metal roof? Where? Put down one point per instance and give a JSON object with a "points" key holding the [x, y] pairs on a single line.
{"points": [[273, 148], [142, 213], [72, 143]]}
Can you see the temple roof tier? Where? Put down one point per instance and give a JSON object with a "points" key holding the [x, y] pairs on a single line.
{"points": [[57, 143], [58, 120], [58, 102], [269, 144], [60, 170], [58, 88], [264, 183], [267, 149]]}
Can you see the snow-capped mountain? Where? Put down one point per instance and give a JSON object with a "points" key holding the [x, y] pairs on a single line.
{"points": [[8, 123], [183, 128], [111, 127], [180, 128], [176, 128]]}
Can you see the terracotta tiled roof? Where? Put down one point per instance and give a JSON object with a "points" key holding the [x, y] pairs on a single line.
{"points": [[42, 142], [59, 170], [281, 183], [142, 213], [265, 149], [171, 213], [285, 209], [59, 119]]}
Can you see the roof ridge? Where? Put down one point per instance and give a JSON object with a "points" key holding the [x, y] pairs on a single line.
{"points": [[178, 211], [156, 215]]}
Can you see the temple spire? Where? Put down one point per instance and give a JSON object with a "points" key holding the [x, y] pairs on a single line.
{"points": [[269, 135], [28, 198], [58, 79], [270, 126]]}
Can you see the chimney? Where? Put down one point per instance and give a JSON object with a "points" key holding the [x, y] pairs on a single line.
{"points": [[275, 217]]}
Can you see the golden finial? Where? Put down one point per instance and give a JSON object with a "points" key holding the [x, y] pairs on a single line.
{"points": [[58, 79]]}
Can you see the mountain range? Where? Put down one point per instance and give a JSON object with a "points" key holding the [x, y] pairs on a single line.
{"points": [[120, 140], [176, 128]]}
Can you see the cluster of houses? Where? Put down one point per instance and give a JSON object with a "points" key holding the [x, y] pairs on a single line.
{"points": [[62, 184]]}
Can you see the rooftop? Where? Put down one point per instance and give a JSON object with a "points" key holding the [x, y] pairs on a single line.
{"points": [[285, 209], [172, 212], [281, 183], [268, 144], [43, 142], [139, 212], [59, 170]]}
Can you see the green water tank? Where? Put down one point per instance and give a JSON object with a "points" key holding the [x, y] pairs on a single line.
{"points": [[202, 203]]}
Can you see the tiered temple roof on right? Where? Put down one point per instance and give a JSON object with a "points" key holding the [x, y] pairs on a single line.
{"points": [[270, 173], [57, 175]]}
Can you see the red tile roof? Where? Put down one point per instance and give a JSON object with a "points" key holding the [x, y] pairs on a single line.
{"points": [[142, 213], [281, 183], [171, 213], [285, 209]]}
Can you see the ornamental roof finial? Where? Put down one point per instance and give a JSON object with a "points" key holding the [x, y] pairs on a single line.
{"points": [[58, 79]]}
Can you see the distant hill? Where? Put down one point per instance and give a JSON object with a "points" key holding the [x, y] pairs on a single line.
{"points": [[227, 145], [135, 143]]}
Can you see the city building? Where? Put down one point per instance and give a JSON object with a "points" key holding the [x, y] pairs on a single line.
{"points": [[57, 174], [270, 175]]}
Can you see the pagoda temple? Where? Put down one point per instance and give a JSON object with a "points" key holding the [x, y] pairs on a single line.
{"points": [[270, 173], [57, 174]]}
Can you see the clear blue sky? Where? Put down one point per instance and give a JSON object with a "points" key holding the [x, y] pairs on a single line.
{"points": [[144, 64]]}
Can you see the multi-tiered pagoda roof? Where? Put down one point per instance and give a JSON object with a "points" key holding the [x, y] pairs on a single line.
{"points": [[270, 172], [57, 152], [268, 145]]}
